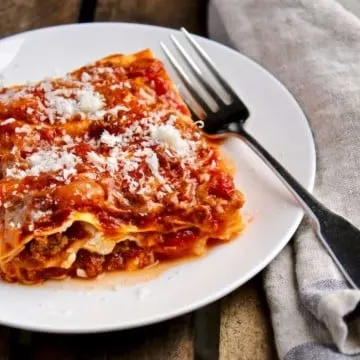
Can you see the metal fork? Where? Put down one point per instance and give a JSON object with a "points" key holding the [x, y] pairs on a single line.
{"points": [[339, 236]]}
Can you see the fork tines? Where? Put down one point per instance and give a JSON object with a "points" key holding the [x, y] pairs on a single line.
{"points": [[198, 75]]}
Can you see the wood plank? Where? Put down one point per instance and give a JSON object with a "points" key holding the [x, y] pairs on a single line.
{"points": [[170, 340], [20, 15], [50, 346], [68, 347], [169, 13], [207, 332], [5, 334], [246, 332], [19, 343]]}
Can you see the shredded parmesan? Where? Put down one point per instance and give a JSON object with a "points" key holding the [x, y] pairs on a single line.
{"points": [[139, 141], [63, 104], [153, 163], [169, 135], [23, 129], [109, 139], [7, 121], [115, 110], [97, 160], [112, 165], [85, 77], [38, 214], [89, 101], [147, 96], [47, 161], [68, 139]]}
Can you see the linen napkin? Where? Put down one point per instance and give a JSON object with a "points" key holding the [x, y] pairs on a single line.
{"points": [[313, 47]]}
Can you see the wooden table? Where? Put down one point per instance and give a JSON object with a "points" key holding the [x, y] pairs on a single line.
{"points": [[239, 323]]}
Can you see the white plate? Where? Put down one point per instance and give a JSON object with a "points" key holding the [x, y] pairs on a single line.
{"points": [[276, 120]]}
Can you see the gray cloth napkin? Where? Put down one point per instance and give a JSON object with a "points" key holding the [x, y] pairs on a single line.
{"points": [[313, 47]]}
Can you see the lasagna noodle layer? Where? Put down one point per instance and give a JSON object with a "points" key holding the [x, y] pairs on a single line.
{"points": [[104, 170], [83, 252]]}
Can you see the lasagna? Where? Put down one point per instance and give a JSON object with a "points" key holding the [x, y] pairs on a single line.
{"points": [[104, 170]]}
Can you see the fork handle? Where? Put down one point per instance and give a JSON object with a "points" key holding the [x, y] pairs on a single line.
{"points": [[340, 237]]}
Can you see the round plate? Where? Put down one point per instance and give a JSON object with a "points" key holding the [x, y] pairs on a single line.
{"points": [[122, 301]]}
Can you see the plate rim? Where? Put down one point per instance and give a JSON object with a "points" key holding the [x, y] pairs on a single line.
{"points": [[224, 291]]}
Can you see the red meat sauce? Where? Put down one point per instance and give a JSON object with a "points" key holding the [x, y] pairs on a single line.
{"points": [[127, 255], [221, 186], [149, 72]]}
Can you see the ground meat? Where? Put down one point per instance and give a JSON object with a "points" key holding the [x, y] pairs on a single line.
{"points": [[178, 243], [127, 255], [89, 262], [114, 261], [133, 256], [42, 248]]}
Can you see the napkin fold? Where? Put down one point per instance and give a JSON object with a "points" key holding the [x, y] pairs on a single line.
{"points": [[313, 47]]}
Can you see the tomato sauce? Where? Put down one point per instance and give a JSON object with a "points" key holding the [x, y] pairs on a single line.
{"points": [[177, 178]]}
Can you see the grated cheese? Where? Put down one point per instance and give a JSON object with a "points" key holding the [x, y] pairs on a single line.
{"points": [[85, 77], [116, 86], [170, 136], [59, 104], [97, 160], [147, 96], [68, 172], [68, 139], [23, 129], [115, 110], [7, 121], [38, 214], [112, 164], [89, 101], [153, 163], [46, 86], [102, 70], [110, 139], [172, 119], [46, 161], [134, 153]]}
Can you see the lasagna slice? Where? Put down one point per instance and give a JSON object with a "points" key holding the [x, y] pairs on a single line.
{"points": [[104, 170]]}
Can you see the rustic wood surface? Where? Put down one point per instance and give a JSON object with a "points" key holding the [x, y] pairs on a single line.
{"points": [[163, 341], [21, 15], [169, 13], [245, 331]]}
